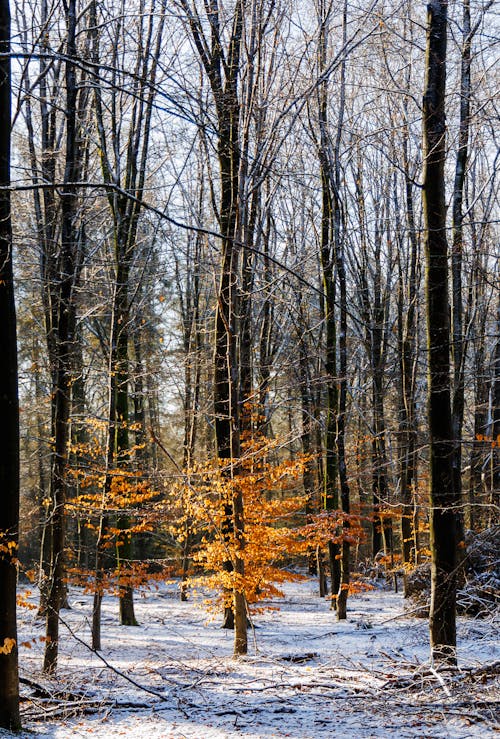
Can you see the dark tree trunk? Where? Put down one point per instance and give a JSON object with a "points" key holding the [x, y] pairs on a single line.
{"points": [[189, 295], [459, 345], [119, 417], [443, 500], [223, 70], [9, 409], [407, 352], [226, 369], [79, 442], [125, 213], [307, 440], [341, 432], [340, 263], [63, 339], [329, 245]]}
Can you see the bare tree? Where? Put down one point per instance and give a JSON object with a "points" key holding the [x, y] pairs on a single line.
{"points": [[9, 409], [443, 499], [222, 66], [124, 159], [64, 329]]}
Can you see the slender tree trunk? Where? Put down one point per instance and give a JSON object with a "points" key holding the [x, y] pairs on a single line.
{"points": [[43, 488], [407, 445], [443, 500], [119, 421], [64, 337], [476, 487], [476, 518], [308, 476], [266, 335], [320, 566], [9, 409], [459, 344], [226, 375], [342, 282], [100, 568], [80, 441], [341, 433], [407, 351], [494, 503], [190, 302], [330, 212], [130, 165], [223, 70]]}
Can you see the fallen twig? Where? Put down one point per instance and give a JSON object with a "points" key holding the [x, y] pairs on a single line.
{"points": [[111, 667]]}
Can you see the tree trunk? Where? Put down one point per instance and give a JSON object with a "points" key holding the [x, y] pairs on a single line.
{"points": [[64, 337], [330, 215], [341, 433], [130, 164], [407, 352], [9, 409], [223, 70], [119, 420], [459, 344], [442, 495], [494, 502]]}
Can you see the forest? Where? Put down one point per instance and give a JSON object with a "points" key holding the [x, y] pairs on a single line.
{"points": [[249, 274]]}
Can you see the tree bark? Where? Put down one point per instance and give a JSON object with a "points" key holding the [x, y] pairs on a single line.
{"points": [[125, 213], [64, 336], [494, 502], [441, 491], [9, 409], [407, 353], [222, 67], [459, 344], [329, 245]]}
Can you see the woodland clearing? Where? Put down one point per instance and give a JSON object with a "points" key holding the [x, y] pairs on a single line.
{"points": [[306, 674]]}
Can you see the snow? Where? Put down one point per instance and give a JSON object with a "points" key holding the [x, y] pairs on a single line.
{"points": [[307, 675]]}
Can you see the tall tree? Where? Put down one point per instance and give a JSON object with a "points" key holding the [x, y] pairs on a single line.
{"points": [[9, 409], [407, 351], [330, 244], [222, 66], [123, 150], [44, 165], [63, 313], [459, 345], [443, 500]]}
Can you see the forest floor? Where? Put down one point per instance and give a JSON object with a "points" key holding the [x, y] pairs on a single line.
{"points": [[306, 674]]}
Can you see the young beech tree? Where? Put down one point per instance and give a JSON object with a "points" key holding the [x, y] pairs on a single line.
{"points": [[9, 410], [443, 500], [271, 502], [105, 492]]}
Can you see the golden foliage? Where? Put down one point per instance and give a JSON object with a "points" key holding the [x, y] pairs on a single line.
{"points": [[272, 506], [8, 645]]}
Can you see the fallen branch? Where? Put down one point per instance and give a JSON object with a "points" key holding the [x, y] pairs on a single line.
{"points": [[111, 667]]}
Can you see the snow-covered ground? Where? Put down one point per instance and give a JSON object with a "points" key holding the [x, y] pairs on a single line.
{"points": [[306, 675]]}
